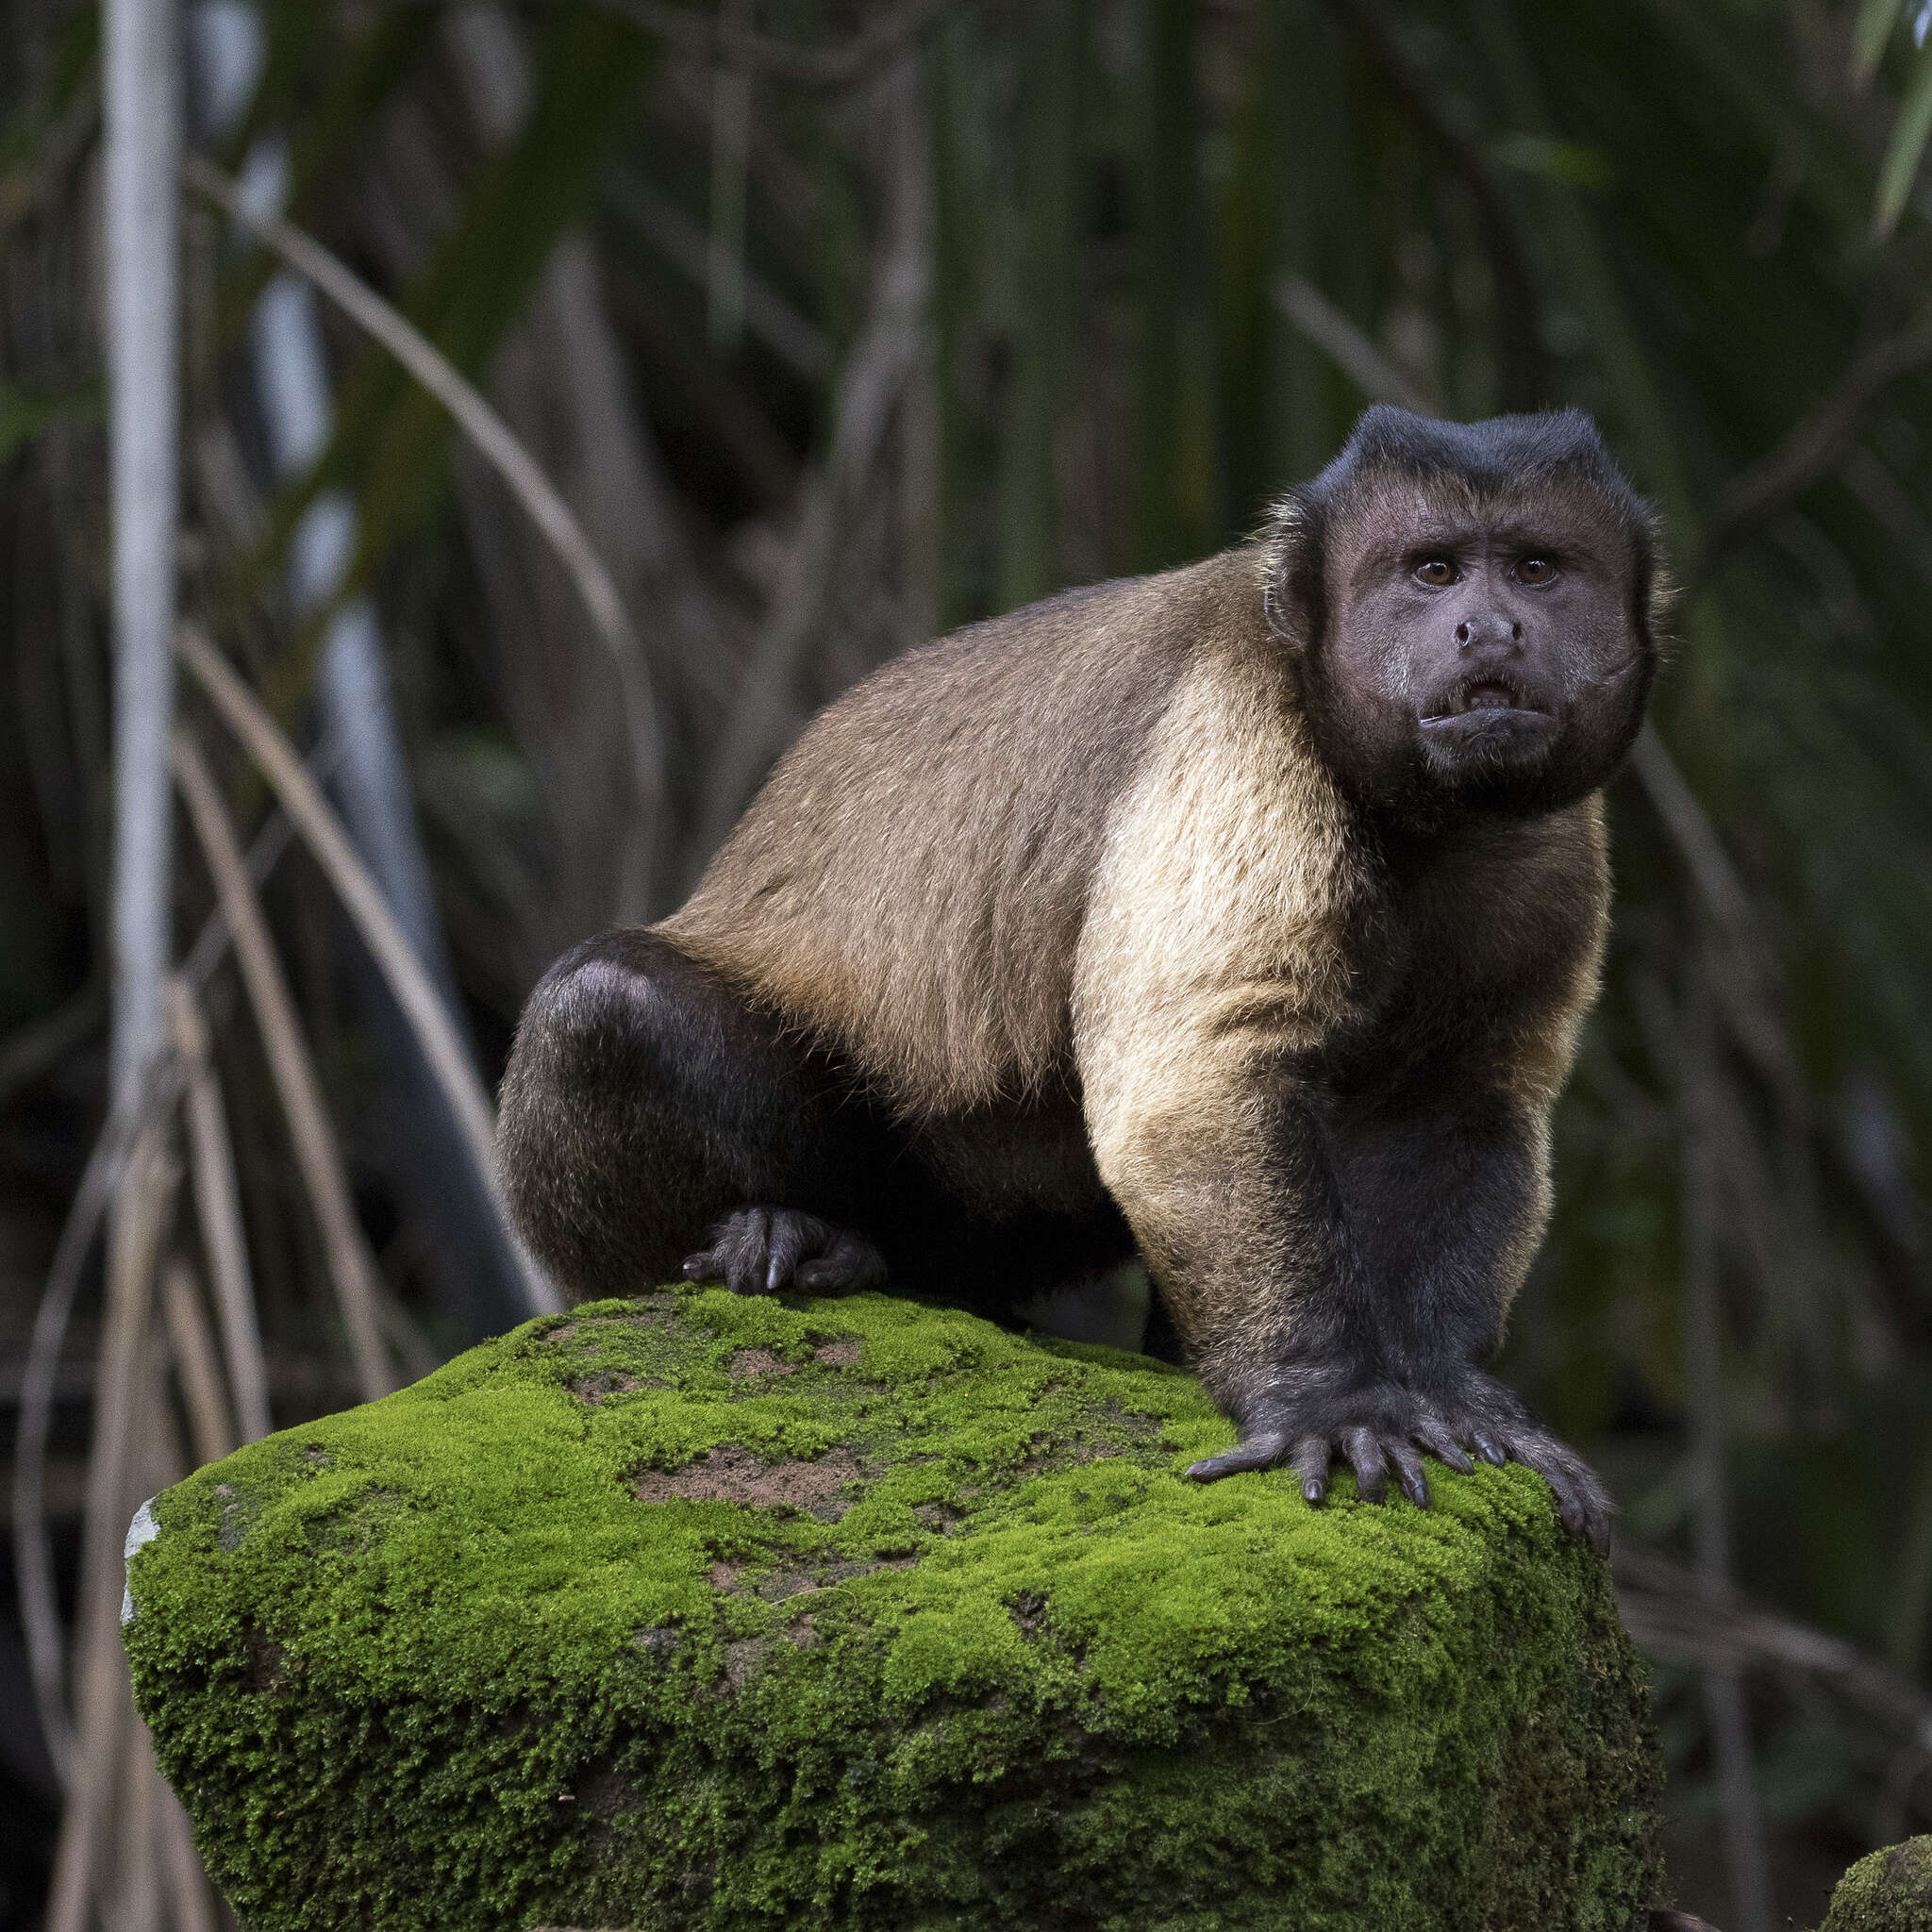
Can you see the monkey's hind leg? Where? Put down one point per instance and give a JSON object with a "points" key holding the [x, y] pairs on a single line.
{"points": [[654, 1123]]}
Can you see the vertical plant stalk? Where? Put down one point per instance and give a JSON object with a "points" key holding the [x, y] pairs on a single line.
{"points": [[1165, 519], [100, 1182], [218, 1212], [147, 1881], [131, 1888], [477, 1269], [321, 832], [40, 1614], [730, 177], [1047, 271], [141, 132], [141, 141], [889, 350], [192, 1345], [1724, 1694], [490, 436], [352, 1268], [596, 442], [102, 1699], [189, 1890]]}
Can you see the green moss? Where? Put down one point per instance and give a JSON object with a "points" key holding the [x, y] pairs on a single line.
{"points": [[1887, 1891], [707, 1612]]}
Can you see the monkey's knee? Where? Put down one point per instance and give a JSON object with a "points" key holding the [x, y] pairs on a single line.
{"points": [[615, 1139]]}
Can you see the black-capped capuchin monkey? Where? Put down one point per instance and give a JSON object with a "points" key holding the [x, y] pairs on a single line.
{"points": [[1242, 916]]}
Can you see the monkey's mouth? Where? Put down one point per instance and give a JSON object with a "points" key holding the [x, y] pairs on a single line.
{"points": [[1489, 695], [1487, 723]]}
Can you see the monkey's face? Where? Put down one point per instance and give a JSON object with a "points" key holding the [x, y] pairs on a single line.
{"points": [[1480, 650]]}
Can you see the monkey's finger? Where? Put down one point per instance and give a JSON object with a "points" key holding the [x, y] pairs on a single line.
{"points": [[849, 1265], [1589, 1502], [1569, 1503], [1409, 1471], [1310, 1461], [1365, 1458], [1487, 1448], [1436, 1438], [1257, 1452], [744, 1251], [792, 1234], [1580, 1499], [704, 1267]]}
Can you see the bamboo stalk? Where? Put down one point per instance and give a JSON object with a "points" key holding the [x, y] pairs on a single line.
{"points": [[493, 441], [131, 1888], [101, 1696], [141, 132], [321, 832], [352, 1268], [192, 1346], [40, 1614], [146, 1880], [1723, 1693], [218, 1211], [883, 362], [189, 1890]]}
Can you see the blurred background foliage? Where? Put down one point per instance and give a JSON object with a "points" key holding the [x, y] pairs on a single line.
{"points": [[838, 325]]}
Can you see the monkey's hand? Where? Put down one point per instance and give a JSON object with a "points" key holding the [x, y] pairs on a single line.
{"points": [[760, 1250], [1379, 1428]]}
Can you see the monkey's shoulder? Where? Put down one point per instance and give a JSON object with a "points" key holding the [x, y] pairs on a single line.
{"points": [[911, 881]]}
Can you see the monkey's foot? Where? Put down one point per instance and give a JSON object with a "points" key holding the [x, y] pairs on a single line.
{"points": [[1379, 1429], [760, 1250]]}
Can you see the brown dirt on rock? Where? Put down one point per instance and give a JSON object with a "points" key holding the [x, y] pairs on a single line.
{"points": [[730, 1474], [843, 1354], [592, 1389], [748, 1362]]}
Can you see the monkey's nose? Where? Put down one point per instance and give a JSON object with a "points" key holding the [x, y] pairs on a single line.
{"points": [[1493, 628]]}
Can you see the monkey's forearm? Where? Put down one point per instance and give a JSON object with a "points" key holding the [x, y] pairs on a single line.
{"points": [[1337, 1296]]}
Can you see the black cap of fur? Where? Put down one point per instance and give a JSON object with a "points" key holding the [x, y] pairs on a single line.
{"points": [[1497, 454], [1501, 453]]}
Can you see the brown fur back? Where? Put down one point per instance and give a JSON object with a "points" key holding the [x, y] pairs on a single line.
{"points": [[911, 882]]}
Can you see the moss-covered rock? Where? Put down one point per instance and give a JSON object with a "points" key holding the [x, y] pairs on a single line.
{"points": [[1887, 1891], [705, 1612]]}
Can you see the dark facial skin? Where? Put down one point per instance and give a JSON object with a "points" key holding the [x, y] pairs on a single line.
{"points": [[1480, 652]]}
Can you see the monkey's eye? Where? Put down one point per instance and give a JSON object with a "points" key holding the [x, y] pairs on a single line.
{"points": [[1436, 572], [1536, 570]]}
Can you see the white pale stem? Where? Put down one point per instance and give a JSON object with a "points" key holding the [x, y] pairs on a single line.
{"points": [[141, 131]]}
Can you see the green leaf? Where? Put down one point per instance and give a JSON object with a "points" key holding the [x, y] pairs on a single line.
{"points": [[1876, 19], [1906, 147], [1569, 161]]}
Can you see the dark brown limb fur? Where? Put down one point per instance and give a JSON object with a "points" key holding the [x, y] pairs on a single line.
{"points": [[652, 1118]]}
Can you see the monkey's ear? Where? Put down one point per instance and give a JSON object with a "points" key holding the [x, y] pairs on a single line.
{"points": [[1295, 595]]}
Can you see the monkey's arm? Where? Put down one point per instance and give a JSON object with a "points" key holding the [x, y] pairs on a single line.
{"points": [[1338, 1270]]}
